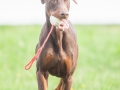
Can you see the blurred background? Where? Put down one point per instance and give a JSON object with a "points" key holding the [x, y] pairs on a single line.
{"points": [[86, 12], [97, 23]]}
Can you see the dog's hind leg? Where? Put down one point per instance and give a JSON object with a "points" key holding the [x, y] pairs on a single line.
{"points": [[42, 79], [67, 83], [59, 87]]}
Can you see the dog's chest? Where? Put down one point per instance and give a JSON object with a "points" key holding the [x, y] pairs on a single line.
{"points": [[62, 68]]}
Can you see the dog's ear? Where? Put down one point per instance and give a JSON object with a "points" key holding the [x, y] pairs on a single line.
{"points": [[42, 1], [75, 1]]}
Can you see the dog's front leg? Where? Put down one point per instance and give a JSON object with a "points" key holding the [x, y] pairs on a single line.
{"points": [[42, 80]]}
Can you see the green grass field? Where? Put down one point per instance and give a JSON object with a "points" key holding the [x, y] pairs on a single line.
{"points": [[98, 63]]}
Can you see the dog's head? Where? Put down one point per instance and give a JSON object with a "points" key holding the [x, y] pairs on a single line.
{"points": [[57, 8]]}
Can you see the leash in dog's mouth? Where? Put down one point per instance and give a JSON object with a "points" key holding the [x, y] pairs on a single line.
{"points": [[28, 66], [60, 24]]}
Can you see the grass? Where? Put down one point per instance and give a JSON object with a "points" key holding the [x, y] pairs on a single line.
{"points": [[98, 64]]}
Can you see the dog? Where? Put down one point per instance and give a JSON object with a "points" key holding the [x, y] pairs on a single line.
{"points": [[60, 53]]}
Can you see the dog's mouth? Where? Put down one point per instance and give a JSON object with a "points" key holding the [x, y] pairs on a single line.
{"points": [[60, 24], [63, 24]]}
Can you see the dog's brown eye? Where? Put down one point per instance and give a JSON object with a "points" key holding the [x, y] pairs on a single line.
{"points": [[66, 0]]}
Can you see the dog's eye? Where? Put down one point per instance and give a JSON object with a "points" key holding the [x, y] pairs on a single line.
{"points": [[66, 0]]}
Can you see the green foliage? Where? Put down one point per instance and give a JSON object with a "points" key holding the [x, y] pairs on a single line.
{"points": [[98, 63]]}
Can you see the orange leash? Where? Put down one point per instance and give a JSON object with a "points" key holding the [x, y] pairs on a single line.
{"points": [[28, 66]]}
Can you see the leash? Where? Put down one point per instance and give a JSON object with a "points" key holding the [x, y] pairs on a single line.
{"points": [[28, 66]]}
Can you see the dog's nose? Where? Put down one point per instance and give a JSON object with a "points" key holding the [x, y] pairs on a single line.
{"points": [[64, 14]]}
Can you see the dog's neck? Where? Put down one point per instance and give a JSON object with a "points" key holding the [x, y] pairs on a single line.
{"points": [[57, 34], [48, 21]]}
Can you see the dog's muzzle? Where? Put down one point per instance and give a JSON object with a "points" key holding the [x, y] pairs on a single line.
{"points": [[60, 24]]}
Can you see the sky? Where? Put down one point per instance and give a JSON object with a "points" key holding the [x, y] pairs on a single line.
{"points": [[15, 12]]}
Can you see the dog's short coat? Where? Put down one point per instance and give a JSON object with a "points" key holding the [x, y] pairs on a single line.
{"points": [[60, 54]]}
